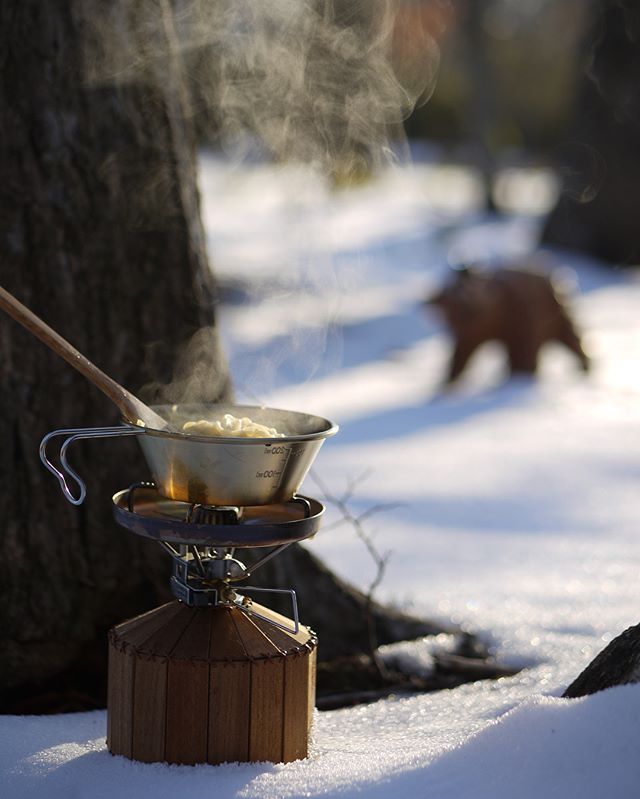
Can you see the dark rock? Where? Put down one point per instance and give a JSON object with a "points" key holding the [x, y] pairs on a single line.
{"points": [[617, 664]]}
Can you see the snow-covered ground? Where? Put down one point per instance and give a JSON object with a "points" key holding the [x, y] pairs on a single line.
{"points": [[515, 508]]}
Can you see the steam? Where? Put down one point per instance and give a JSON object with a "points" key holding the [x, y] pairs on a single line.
{"points": [[323, 82], [326, 83], [317, 84], [196, 376]]}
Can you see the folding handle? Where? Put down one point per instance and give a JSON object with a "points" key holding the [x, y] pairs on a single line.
{"points": [[294, 607], [67, 471]]}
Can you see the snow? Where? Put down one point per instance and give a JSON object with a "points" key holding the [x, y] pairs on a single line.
{"points": [[514, 506]]}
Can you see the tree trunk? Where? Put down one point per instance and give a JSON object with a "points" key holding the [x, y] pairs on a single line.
{"points": [[482, 106], [596, 212], [103, 240]]}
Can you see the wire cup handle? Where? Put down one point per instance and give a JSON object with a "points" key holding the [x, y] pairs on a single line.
{"points": [[295, 628], [67, 471]]}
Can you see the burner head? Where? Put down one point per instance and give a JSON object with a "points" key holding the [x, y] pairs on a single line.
{"points": [[211, 514]]}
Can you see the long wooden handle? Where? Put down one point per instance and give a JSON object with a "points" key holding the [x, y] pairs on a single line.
{"points": [[130, 406]]}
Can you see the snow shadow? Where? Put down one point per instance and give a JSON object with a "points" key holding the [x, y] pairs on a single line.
{"points": [[319, 352], [436, 412], [312, 353]]}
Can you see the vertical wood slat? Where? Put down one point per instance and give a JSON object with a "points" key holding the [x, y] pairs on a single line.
{"points": [[120, 701], [229, 712], [150, 684], [149, 710], [313, 666], [188, 694], [295, 717], [267, 701]]}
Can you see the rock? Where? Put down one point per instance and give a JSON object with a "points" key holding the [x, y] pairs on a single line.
{"points": [[617, 664]]}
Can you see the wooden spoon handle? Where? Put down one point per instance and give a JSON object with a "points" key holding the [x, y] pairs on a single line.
{"points": [[130, 406]]}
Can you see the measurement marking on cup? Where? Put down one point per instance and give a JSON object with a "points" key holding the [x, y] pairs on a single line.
{"points": [[276, 450], [268, 474], [283, 454]]}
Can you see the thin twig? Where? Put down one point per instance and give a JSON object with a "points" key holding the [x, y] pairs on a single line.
{"points": [[380, 559]]}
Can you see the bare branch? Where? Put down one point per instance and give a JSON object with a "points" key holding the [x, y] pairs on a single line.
{"points": [[380, 559]]}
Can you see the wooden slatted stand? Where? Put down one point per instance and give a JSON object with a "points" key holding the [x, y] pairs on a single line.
{"points": [[210, 685]]}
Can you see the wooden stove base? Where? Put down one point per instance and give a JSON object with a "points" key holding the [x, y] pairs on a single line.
{"points": [[209, 685]]}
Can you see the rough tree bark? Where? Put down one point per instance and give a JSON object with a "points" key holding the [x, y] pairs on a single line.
{"points": [[102, 238]]}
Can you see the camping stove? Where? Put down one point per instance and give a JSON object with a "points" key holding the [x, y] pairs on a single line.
{"points": [[214, 676], [227, 678], [202, 542]]}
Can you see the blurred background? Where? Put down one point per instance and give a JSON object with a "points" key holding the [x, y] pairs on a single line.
{"points": [[536, 97], [509, 75]]}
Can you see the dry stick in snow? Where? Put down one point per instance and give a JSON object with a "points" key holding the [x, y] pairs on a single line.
{"points": [[380, 560]]}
